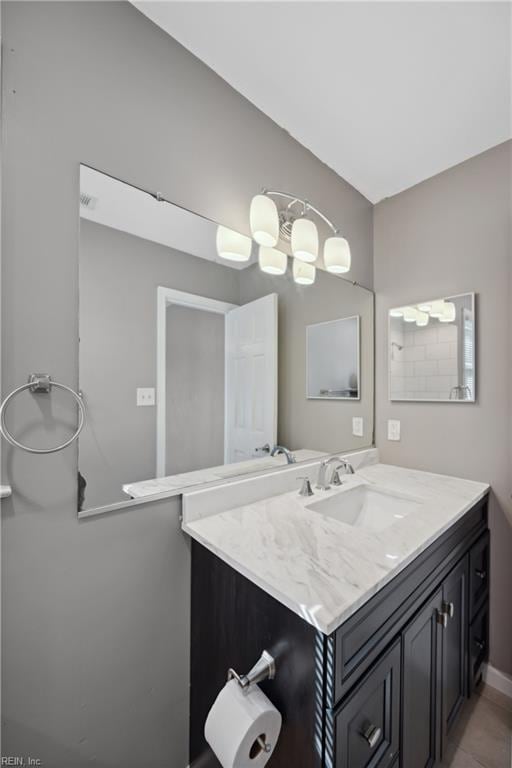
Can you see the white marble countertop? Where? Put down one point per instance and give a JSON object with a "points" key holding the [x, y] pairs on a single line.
{"points": [[176, 483], [323, 569]]}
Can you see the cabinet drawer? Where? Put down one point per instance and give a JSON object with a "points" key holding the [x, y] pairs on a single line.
{"points": [[478, 645], [478, 574], [365, 729]]}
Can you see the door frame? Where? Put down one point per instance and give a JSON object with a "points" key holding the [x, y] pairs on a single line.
{"points": [[165, 297]]}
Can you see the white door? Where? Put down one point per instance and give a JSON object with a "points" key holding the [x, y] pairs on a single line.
{"points": [[251, 378]]}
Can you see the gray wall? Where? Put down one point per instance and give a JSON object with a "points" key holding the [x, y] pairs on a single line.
{"points": [[195, 390], [317, 424], [95, 616], [119, 275], [449, 235]]}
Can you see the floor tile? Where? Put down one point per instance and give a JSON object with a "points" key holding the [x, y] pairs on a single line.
{"points": [[483, 732], [497, 697]]}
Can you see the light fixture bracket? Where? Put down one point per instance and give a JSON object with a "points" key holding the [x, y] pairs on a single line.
{"points": [[287, 216]]}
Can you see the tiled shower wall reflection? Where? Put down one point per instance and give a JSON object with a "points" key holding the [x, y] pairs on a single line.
{"points": [[423, 361]]}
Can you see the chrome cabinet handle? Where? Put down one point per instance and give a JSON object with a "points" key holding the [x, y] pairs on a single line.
{"points": [[371, 735], [449, 609], [442, 618], [481, 574], [479, 644]]}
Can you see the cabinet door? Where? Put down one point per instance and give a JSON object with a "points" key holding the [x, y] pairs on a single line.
{"points": [[367, 725], [421, 672], [454, 650]]}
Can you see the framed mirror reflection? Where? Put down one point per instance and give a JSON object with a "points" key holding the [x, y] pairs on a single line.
{"points": [[196, 367], [431, 353]]}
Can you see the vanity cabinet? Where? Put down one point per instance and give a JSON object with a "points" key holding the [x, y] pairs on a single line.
{"points": [[384, 689]]}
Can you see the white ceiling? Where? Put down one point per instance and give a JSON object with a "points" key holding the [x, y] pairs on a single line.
{"points": [[385, 93]]}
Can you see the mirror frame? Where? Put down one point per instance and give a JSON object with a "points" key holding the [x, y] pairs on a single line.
{"points": [[358, 332], [469, 401]]}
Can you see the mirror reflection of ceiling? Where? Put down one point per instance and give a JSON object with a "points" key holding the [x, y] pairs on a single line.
{"points": [[387, 94], [111, 202]]}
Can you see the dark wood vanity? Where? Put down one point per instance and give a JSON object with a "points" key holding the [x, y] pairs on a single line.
{"points": [[384, 689]]}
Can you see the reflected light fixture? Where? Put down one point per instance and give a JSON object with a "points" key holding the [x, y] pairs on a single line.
{"points": [[304, 273], [425, 307], [232, 245], [272, 261], [264, 220], [396, 312], [437, 309], [449, 313], [294, 224], [422, 318], [410, 314]]}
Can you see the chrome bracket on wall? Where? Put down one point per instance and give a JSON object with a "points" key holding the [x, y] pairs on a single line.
{"points": [[264, 669]]}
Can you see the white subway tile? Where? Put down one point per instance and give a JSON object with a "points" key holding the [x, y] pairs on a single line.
{"points": [[414, 353], [448, 367], [425, 368], [439, 384], [438, 351], [447, 332]]}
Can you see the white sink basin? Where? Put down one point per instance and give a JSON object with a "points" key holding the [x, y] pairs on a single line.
{"points": [[366, 506]]}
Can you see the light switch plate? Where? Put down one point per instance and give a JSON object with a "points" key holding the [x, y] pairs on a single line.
{"points": [[357, 426], [393, 429], [145, 395]]}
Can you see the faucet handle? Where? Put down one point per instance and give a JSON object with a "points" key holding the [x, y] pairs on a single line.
{"points": [[306, 489], [336, 479]]}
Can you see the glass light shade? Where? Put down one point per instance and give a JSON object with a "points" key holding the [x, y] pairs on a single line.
{"points": [[449, 314], [264, 220], [422, 318], [397, 312], [272, 261], [303, 273], [410, 314], [336, 255], [232, 245], [437, 309], [305, 240], [425, 307]]}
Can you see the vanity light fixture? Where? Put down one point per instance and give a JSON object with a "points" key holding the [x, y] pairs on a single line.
{"points": [[293, 224], [264, 220], [272, 261], [304, 273], [397, 312], [232, 245], [305, 240], [425, 307], [337, 255]]}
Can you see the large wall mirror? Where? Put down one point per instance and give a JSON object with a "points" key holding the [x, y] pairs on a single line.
{"points": [[432, 350], [193, 367]]}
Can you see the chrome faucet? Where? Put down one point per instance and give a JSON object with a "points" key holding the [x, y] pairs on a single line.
{"points": [[290, 458], [338, 463]]}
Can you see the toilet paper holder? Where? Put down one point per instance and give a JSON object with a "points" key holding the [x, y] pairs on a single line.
{"points": [[264, 669]]}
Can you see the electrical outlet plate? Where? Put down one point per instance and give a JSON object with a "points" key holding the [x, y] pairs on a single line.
{"points": [[393, 429], [357, 426], [145, 396]]}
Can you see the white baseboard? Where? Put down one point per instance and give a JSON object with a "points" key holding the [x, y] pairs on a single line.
{"points": [[498, 680]]}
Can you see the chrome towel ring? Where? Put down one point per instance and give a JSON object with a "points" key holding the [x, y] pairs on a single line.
{"points": [[41, 383]]}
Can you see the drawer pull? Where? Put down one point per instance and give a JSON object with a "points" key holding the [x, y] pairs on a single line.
{"points": [[449, 609], [481, 574], [442, 618], [371, 735], [479, 644]]}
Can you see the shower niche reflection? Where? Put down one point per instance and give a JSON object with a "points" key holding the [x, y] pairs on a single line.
{"points": [[432, 350]]}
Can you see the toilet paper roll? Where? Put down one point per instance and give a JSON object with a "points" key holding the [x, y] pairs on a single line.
{"points": [[242, 727]]}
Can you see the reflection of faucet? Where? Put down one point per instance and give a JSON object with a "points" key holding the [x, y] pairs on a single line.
{"points": [[339, 464], [277, 449]]}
